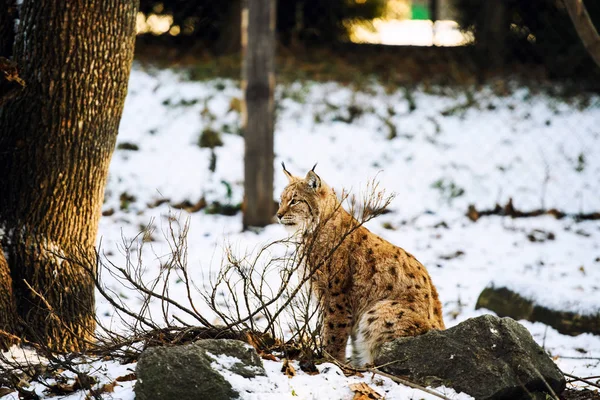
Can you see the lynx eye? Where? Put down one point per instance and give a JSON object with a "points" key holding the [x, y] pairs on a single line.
{"points": [[293, 202]]}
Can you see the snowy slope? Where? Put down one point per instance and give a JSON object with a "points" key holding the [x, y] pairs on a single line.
{"points": [[539, 150]]}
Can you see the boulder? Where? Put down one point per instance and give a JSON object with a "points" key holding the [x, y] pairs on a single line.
{"points": [[507, 303], [486, 357], [190, 371]]}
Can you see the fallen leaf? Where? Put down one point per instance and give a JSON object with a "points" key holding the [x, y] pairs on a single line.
{"points": [[472, 213], [267, 356], [61, 388], [362, 391], [125, 378], [235, 105], [109, 387], [261, 342]]}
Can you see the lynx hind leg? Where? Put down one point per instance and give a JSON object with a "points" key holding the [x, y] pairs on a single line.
{"points": [[383, 322]]}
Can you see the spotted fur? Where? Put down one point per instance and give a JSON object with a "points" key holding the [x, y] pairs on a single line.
{"points": [[369, 289]]}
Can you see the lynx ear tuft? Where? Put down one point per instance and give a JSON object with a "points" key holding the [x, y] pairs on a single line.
{"points": [[313, 180], [287, 173]]}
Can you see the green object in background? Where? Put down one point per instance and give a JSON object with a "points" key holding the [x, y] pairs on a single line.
{"points": [[420, 11]]}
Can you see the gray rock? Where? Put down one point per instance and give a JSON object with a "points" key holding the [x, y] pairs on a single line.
{"points": [[250, 364], [185, 372], [507, 303], [486, 357]]}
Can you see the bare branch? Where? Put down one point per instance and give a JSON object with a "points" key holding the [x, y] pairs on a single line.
{"points": [[394, 378], [584, 380]]}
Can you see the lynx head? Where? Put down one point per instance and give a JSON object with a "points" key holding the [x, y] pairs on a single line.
{"points": [[302, 201]]}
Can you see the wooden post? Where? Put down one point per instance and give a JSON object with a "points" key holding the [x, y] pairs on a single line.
{"points": [[258, 85]]}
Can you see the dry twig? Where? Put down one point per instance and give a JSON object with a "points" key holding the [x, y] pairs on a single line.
{"points": [[584, 380], [376, 371]]}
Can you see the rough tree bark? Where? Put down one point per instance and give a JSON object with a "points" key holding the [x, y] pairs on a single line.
{"points": [[258, 84], [56, 141], [585, 28]]}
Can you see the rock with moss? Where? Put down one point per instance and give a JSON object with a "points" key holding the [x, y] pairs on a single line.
{"points": [[249, 364], [191, 371], [487, 357]]}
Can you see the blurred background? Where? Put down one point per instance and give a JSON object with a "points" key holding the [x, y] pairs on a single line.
{"points": [[482, 116], [483, 52], [537, 36]]}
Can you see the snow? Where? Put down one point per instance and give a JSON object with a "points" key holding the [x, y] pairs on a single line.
{"points": [[583, 292], [332, 384], [526, 145], [104, 371]]}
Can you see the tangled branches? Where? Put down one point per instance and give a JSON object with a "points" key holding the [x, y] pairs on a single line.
{"points": [[262, 297]]}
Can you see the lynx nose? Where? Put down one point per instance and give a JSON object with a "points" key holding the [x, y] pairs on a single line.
{"points": [[279, 215]]}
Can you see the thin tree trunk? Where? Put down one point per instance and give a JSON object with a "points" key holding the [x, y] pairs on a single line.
{"points": [[56, 143], [585, 28], [258, 84]]}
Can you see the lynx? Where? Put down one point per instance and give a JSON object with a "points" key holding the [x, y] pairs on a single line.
{"points": [[367, 288]]}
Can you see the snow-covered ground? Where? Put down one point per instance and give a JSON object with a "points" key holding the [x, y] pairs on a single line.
{"points": [[440, 157]]}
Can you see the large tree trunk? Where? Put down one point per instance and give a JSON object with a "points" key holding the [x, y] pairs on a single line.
{"points": [[56, 142], [258, 84]]}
